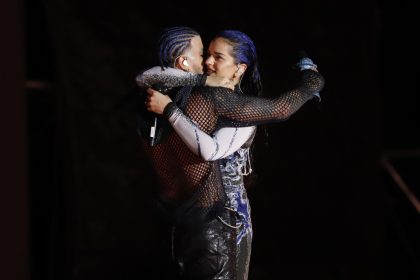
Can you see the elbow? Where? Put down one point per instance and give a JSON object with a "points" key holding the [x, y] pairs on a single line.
{"points": [[208, 157], [145, 78], [209, 151], [314, 80], [317, 81], [205, 158], [320, 83], [141, 82]]}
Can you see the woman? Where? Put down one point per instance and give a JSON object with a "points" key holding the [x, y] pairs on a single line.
{"points": [[232, 55]]}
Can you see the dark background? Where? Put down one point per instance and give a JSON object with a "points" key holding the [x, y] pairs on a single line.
{"points": [[323, 205]]}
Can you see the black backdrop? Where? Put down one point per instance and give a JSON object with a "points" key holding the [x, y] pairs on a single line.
{"points": [[318, 202]]}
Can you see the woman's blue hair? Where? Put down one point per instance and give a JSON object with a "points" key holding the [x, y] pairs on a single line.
{"points": [[244, 51], [173, 42]]}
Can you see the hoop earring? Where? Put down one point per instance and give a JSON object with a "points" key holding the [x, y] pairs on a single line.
{"points": [[239, 84]]}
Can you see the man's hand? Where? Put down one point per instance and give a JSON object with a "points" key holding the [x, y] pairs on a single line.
{"points": [[156, 101]]}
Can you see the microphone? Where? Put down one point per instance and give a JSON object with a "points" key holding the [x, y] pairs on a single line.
{"points": [[306, 63], [153, 127]]}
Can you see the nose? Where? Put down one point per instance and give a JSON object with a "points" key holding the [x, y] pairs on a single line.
{"points": [[209, 61]]}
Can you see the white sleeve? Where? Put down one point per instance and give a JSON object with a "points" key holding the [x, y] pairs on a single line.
{"points": [[224, 142]]}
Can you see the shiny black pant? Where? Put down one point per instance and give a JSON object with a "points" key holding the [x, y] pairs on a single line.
{"points": [[210, 251]]}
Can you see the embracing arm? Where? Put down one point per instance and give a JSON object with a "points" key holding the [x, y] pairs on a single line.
{"points": [[241, 110], [169, 77], [236, 110], [224, 142], [172, 77]]}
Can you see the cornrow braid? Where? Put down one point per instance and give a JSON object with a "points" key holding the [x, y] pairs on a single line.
{"points": [[173, 42]]}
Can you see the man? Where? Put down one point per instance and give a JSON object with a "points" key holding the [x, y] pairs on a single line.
{"points": [[175, 162]]}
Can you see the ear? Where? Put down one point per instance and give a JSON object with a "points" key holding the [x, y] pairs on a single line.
{"points": [[241, 69], [182, 63]]}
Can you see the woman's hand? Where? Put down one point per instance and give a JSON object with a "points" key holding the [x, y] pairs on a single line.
{"points": [[156, 101]]}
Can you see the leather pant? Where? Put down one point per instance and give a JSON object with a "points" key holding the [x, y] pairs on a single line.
{"points": [[210, 251]]}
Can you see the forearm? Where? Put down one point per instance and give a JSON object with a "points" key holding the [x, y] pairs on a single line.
{"points": [[169, 77], [224, 142], [249, 110]]}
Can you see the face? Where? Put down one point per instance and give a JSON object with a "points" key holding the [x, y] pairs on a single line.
{"points": [[220, 62], [195, 55]]}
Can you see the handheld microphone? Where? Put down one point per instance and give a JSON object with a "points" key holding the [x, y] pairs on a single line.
{"points": [[153, 128], [306, 63]]}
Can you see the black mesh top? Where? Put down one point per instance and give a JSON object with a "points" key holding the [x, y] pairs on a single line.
{"points": [[186, 181]]}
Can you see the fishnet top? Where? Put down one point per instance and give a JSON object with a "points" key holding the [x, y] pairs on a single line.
{"points": [[194, 186]]}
